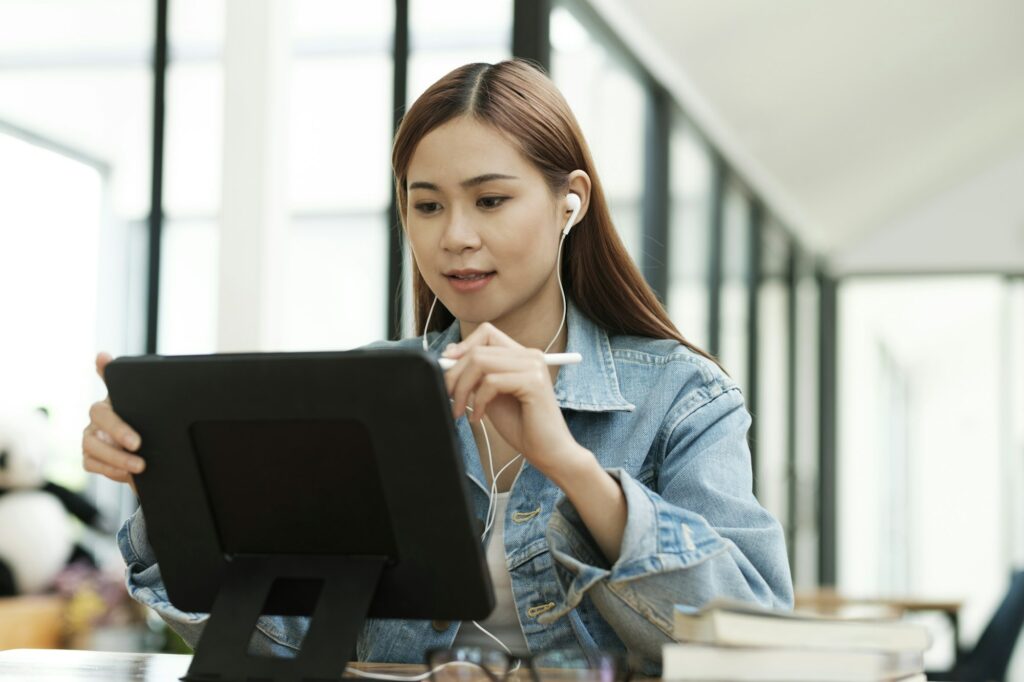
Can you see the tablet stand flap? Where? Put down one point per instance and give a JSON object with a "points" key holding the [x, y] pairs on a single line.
{"points": [[346, 588]]}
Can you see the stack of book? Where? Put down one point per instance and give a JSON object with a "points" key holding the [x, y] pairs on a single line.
{"points": [[729, 641]]}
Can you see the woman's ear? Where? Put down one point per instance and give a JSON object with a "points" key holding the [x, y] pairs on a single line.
{"points": [[579, 184]]}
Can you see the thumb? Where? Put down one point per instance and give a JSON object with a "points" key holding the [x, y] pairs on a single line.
{"points": [[102, 360]]}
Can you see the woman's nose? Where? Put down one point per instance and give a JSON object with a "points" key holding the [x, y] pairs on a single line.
{"points": [[460, 233]]}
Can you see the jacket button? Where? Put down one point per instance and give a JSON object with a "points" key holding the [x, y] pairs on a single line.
{"points": [[441, 625]]}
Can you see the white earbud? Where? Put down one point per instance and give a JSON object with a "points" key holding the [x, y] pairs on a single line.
{"points": [[575, 204]]}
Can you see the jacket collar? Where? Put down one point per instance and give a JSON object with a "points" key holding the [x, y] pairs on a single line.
{"points": [[592, 385]]}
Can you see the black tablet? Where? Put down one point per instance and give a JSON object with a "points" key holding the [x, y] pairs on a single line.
{"points": [[283, 460]]}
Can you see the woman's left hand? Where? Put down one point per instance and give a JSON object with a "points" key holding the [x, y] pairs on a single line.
{"points": [[511, 385]]}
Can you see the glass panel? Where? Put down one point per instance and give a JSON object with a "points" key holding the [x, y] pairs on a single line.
{"points": [[49, 278], [434, 23], [188, 287], [76, 92], [609, 103], [193, 157], [445, 34], [193, 138], [337, 283], [425, 68], [735, 337], [196, 30], [82, 32], [690, 240], [339, 175], [339, 149], [342, 25], [105, 112], [771, 421]]}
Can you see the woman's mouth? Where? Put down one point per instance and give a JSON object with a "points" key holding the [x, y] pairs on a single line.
{"points": [[470, 282]]}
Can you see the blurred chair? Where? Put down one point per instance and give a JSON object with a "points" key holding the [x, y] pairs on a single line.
{"points": [[990, 657]]}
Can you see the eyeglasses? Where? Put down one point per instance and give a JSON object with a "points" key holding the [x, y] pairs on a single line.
{"points": [[468, 664]]}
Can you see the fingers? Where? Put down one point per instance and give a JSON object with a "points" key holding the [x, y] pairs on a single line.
{"points": [[464, 379], [107, 441], [103, 417], [490, 388], [93, 465], [103, 454], [102, 360]]}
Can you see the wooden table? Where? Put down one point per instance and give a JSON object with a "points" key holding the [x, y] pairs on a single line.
{"points": [[63, 665]]}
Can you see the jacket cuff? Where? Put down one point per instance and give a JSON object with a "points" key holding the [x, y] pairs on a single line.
{"points": [[142, 573], [659, 537]]}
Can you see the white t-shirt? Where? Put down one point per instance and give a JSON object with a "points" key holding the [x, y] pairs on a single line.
{"points": [[503, 622]]}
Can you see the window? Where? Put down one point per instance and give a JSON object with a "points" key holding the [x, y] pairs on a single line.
{"points": [[75, 138], [609, 103], [339, 175], [690, 225], [330, 270], [771, 425], [445, 34], [735, 294], [929, 465], [193, 153]]}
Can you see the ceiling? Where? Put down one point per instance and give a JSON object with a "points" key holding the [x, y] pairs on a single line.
{"points": [[846, 115]]}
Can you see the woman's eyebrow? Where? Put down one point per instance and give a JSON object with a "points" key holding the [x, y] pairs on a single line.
{"points": [[487, 177], [471, 182]]}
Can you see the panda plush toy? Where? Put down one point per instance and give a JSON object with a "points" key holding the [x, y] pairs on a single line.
{"points": [[37, 534]]}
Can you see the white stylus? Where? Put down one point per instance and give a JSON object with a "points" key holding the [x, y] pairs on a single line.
{"points": [[550, 359]]}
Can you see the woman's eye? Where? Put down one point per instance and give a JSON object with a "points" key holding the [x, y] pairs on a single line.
{"points": [[428, 207], [491, 202]]}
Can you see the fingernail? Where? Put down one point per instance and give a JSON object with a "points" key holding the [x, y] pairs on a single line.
{"points": [[138, 466], [132, 440]]}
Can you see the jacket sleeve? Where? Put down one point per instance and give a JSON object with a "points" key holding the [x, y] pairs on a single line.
{"points": [[695, 534], [274, 635]]}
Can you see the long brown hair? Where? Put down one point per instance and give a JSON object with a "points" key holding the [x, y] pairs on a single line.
{"points": [[519, 100]]}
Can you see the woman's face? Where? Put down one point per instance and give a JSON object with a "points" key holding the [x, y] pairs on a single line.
{"points": [[476, 204]]}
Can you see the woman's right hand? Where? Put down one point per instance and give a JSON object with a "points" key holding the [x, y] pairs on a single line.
{"points": [[108, 443]]}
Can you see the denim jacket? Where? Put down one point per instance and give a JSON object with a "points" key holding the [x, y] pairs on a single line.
{"points": [[671, 428]]}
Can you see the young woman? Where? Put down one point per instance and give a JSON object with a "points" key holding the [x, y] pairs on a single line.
{"points": [[623, 482]]}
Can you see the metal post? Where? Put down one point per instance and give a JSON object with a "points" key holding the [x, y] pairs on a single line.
{"points": [[396, 249], [827, 390], [531, 28], [792, 276], [716, 255], [657, 129], [754, 276], [156, 215]]}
